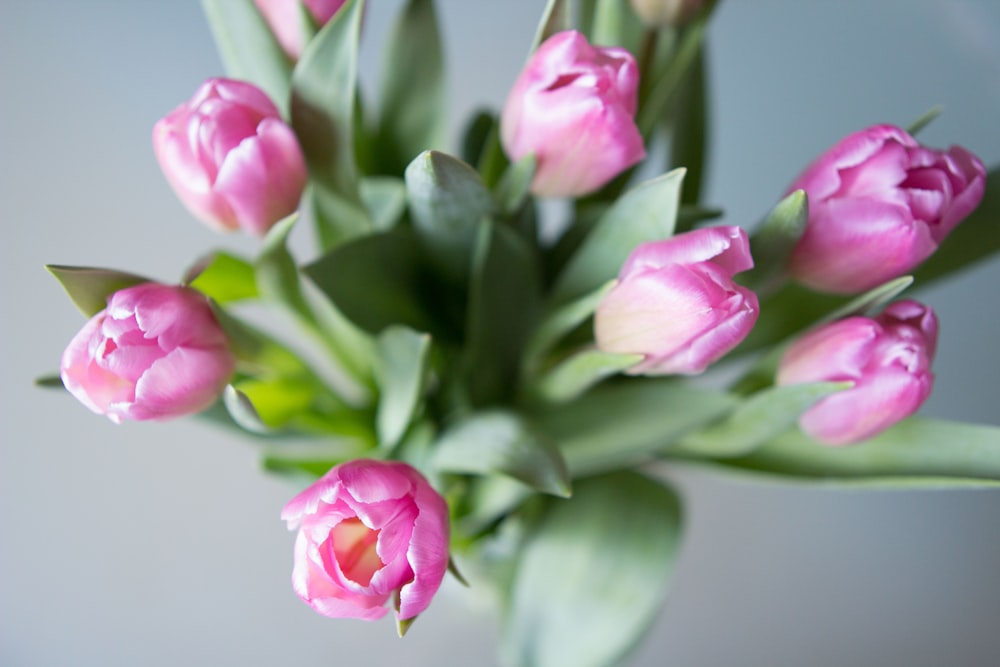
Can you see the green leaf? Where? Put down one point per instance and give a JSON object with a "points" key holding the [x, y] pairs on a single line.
{"points": [[242, 410], [385, 199], [614, 23], [872, 300], [323, 93], [559, 323], [502, 442], [475, 136], [515, 184], [916, 447], [413, 88], [555, 19], [924, 120], [975, 239], [647, 212], [223, 277], [773, 242], [276, 272], [592, 575], [580, 372], [89, 288], [689, 129], [275, 401], [248, 49], [377, 280], [52, 381], [765, 416], [400, 371], [447, 199], [504, 302], [620, 424]]}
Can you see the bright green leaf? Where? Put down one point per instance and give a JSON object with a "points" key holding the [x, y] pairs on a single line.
{"points": [[502, 442], [89, 288], [400, 370], [593, 573], [223, 277], [242, 410], [645, 213]]}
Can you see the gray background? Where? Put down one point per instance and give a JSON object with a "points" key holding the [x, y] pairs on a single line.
{"points": [[160, 544]]}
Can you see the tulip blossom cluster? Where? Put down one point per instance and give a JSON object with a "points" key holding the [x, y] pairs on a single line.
{"points": [[888, 359], [676, 303], [879, 205], [156, 352], [573, 107], [368, 531], [230, 157]]}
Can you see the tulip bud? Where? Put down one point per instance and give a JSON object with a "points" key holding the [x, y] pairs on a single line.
{"points": [[887, 358], [879, 205], [573, 106], [230, 158], [661, 13], [676, 302], [285, 19], [368, 531], [155, 352]]}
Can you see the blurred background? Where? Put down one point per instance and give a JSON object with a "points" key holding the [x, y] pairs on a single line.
{"points": [[160, 544]]}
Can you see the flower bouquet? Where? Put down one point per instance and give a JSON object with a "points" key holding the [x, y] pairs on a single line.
{"points": [[499, 347]]}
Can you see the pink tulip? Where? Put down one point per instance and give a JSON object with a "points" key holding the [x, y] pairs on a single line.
{"points": [[230, 158], [573, 106], [155, 352], [887, 358], [369, 531], [879, 205], [676, 303], [285, 19]]}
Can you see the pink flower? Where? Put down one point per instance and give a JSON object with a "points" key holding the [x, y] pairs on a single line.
{"points": [[368, 531], [230, 158], [888, 359], [285, 19], [676, 302], [155, 352], [573, 106], [879, 205]]}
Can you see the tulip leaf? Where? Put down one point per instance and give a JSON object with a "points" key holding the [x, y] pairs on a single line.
{"points": [[378, 280], [400, 371], [51, 381], [614, 22], [476, 134], [242, 410], [323, 102], [620, 424], [248, 49], [580, 372], [275, 270], [504, 302], [644, 213], [689, 131], [763, 417], [592, 573], [447, 199], [385, 199], [502, 442], [559, 323], [223, 277], [973, 240], [89, 288], [555, 19], [914, 448], [773, 242], [515, 184], [871, 300], [412, 98], [924, 120]]}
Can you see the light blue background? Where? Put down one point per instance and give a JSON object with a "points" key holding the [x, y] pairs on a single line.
{"points": [[161, 545]]}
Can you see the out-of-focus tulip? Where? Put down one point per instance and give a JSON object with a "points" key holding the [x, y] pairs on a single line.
{"points": [[676, 302], [660, 13], [887, 358], [879, 205], [369, 531], [155, 352], [573, 106], [230, 158], [285, 19]]}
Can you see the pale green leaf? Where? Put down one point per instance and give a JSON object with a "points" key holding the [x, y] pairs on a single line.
{"points": [[580, 372], [400, 369], [89, 288]]}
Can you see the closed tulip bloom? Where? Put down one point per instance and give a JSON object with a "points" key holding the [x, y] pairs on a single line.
{"points": [[285, 19], [676, 303], [155, 352], [879, 205], [369, 532], [573, 106], [230, 157], [888, 359]]}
